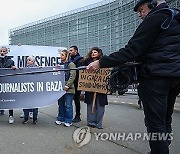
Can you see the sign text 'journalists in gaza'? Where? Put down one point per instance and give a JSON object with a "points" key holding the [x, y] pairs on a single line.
{"points": [[23, 87]]}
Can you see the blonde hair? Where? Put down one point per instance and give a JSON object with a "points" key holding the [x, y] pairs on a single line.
{"points": [[66, 53]]}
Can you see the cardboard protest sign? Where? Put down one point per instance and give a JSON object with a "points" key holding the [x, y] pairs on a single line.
{"points": [[96, 81]]}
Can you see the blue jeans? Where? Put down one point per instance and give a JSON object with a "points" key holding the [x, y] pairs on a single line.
{"points": [[65, 108], [26, 113]]}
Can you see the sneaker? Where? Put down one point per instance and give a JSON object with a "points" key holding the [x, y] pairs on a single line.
{"points": [[35, 122], [76, 119], [11, 120], [25, 122], [67, 124], [58, 122], [30, 115], [22, 115]]}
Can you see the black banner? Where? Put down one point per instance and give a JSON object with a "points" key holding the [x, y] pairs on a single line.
{"points": [[30, 87]]}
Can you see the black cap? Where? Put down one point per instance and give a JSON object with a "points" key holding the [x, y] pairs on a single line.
{"points": [[140, 2]]}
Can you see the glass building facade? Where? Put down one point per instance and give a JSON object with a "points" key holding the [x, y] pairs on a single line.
{"points": [[108, 24]]}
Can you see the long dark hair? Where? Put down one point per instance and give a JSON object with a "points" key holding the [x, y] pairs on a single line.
{"points": [[88, 56]]}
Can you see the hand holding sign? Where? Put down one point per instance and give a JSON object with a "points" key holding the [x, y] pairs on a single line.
{"points": [[96, 81]]}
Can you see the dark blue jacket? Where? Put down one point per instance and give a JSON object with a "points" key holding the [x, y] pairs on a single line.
{"points": [[67, 73], [77, 60]]}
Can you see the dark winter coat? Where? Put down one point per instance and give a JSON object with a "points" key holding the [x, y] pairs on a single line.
{"points": [[157, 48], [101, 97], [6, 62], [77, 60]]}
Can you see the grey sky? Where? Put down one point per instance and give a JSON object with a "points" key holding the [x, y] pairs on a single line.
{"points": [[14, 13]]}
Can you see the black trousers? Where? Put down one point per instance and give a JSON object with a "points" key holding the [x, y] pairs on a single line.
{"points": [[158, 96], [10, 113], [77, 102]]}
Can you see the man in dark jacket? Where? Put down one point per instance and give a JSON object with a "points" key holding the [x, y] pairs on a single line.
{"points": [[6, 62], [156, 45], [77, 60]]}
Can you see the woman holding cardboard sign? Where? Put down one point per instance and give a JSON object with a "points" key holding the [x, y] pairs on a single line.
{"points": [[95, 111]]}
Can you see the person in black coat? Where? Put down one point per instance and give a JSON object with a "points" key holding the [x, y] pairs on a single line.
{"points": [[77, 60], [95, 119], [6, 62], [156, 45]]}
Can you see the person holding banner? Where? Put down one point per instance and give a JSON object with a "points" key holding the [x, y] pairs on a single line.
{"points": [[28, 112], [77, 60], [65, 114], [6, 62], [95, 119], [1, 112]]}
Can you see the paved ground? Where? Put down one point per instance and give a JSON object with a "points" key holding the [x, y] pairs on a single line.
{"points": [[132, 97], [122, 116]]}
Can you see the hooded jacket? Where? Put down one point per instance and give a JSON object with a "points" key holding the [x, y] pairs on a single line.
{"points": [[157, 48]]}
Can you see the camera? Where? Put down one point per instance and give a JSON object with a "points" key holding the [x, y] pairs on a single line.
{"points": [[123, 76]]}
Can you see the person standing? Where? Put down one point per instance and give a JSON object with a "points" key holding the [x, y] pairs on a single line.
{"points": [[77, 60], [1, 112], [6, 62], [65, 115], [95, 119], [156, 45], [34, 112]]}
